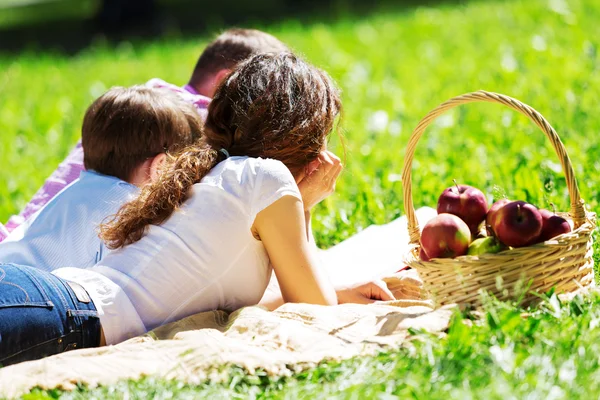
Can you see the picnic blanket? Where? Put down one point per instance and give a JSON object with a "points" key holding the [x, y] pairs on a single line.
{"points": [[281, 342]]}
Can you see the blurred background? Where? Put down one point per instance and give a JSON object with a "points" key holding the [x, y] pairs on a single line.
{"points": [[70, 25]]}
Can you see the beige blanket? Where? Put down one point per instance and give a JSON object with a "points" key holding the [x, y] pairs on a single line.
{"points": [[195, 349]]}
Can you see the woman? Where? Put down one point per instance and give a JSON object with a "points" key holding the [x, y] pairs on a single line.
{"points": [[205, 235]]}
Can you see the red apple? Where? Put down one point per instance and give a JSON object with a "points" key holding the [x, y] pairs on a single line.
{"points": [[466, 202], [445, 236], [493, 212], [518, 224], [422, 255], [552, 225]]}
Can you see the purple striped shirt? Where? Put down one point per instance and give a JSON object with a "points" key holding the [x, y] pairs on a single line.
{"points": [[71, 167]]}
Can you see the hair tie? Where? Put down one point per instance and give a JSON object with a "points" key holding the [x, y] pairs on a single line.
{"points": [[225, 152]]}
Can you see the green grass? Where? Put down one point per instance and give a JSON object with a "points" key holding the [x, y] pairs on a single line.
{"points": [[393, 67]]}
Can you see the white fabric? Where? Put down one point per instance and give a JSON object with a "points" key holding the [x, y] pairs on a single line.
{"points": [[63, 233], [372, 253], [202, 258], [112, 303]]}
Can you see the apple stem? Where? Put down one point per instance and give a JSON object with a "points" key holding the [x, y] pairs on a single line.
{"points": [[518, 210], [456, 184], [553, 208]]}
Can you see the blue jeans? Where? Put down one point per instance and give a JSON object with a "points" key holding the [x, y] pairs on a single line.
{"points": [[41, 315]]}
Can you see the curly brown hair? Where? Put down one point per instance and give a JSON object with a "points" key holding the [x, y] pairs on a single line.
{"points": [[271, 106]]}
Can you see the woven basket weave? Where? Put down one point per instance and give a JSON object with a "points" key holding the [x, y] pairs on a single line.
{"points": [[565, 262]]}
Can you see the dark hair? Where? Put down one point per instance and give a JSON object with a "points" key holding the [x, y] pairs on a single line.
{"points": [[126, 126], [232, 47], [273, 106]]}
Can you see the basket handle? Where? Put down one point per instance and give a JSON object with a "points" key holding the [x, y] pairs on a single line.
{"points": [[578, 212]]}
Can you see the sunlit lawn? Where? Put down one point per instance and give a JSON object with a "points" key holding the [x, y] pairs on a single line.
{"points": [[393, 67]]}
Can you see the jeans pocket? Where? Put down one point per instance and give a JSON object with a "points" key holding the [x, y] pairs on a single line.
{"points": [[20, 287]]}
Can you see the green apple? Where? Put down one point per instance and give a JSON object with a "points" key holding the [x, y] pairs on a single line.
{"points": [[486, 245]]}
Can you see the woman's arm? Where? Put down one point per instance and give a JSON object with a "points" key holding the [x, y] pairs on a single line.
{"points": [[282, 229], [306, 288], [306, 282], [315, 182]]}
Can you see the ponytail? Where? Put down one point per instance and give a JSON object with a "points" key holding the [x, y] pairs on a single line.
{"points": [[158, 200]]}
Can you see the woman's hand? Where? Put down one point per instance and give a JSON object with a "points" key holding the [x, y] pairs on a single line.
{"points": [[319, 178], [365, 294]]}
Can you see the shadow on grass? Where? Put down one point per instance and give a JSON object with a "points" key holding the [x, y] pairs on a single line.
{"points": [[68, 26]]}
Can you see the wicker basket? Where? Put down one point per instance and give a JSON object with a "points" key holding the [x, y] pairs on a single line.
{"points": [[564, 262]]}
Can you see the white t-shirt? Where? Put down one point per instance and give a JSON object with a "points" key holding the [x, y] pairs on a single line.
{"points": [[203, 257], [64, 232]]}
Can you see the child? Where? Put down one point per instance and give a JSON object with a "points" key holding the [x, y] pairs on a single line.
{"points": [[217, 59], [206, 234], [126, 133]]}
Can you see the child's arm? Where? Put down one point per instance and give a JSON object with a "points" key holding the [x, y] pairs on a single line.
{"points": [[66, 173]]}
